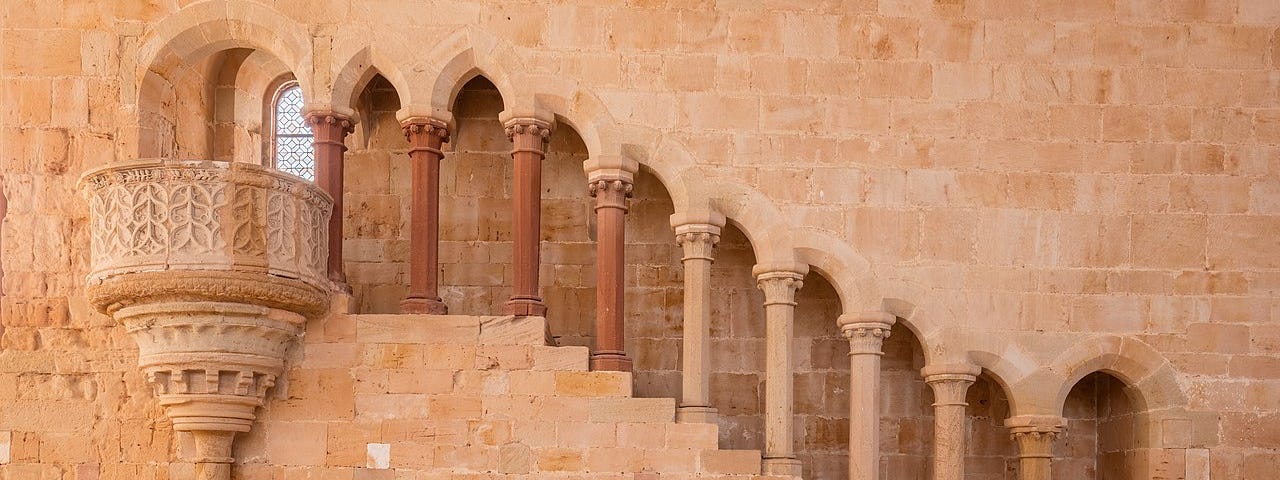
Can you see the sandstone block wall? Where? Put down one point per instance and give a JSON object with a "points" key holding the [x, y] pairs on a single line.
{"points": [[1018, 182]]}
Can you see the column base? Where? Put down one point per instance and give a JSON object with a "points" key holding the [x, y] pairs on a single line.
{"points": [[697, 414], [429, 306], [782, 466], [525, 307], [611, 361]]}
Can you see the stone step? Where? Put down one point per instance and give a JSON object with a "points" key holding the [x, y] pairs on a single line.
{"points": [[449, 329], [631, 410]]}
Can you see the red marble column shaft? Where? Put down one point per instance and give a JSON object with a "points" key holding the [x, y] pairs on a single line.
{"points": [[611, 210], [529, 137], [329, 131], [425, 137]]}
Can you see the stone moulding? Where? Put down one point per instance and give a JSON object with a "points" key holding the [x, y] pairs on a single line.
{"points": [[212, 268]]}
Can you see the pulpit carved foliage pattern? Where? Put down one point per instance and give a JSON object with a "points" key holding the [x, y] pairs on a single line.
{"points": [[159, 215]]}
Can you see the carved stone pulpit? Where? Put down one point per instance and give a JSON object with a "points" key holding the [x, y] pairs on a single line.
{"points": [[212, 267]]}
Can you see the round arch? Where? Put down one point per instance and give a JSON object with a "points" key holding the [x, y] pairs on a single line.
{"points": [[1141, 368]]}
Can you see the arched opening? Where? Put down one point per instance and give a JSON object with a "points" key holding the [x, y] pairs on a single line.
{"points": [[1101, 442], [655, 290], [377, 189], [215, 105], [737, 343], [821, 410], [906, 408], [991, 452]]}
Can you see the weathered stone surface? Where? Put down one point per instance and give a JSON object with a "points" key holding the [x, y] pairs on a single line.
{"points": [[1011, 180]]}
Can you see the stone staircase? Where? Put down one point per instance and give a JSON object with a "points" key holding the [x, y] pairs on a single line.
{"points": [[452, 396]]}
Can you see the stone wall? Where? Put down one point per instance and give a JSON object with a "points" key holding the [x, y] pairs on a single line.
{"points": [[1032, 175]]}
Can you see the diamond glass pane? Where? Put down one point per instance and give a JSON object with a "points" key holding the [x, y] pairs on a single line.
{"points": [[294, 150]]}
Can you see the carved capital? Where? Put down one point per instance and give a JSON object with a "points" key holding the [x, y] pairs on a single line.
{"points": [[426, 127], [950, 389], [950, 382], [698, 245], [327, 125], [780, 287], [1035, 434], [525, 126], [610, 193], [866, 332]]}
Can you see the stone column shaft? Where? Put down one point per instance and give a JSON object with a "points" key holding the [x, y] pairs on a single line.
{"points": [[866, 334], [1035, 435], [425, 137], [779, 309], [699, 242], [950, 384], [611, 210], [329, 131], [529, 137]]}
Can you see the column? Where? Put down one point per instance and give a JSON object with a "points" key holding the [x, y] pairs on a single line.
{"points": [[611, 210], [866, 333], [329, 130], [779, 288], [1035, 435], [425, 135], [698, 240], [950, 384], [529, 137]]}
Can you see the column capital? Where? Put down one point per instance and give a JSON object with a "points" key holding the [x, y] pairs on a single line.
{"points": [[779, 286], [318, 118], [699, 241], [1035, 434], [610, 193], [950, 382], [527, 126], [425, 125], [866, 331]]}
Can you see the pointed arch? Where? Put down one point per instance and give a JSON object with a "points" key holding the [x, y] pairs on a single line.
{"points": [[460, 57], [356, 72]]}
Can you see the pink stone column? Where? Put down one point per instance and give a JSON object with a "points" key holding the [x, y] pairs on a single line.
{"points": [[950, 383], [1035, 435], [698, 240], [866, 333], [329, 130], [529, 136], [611, 210], [425, 136], [779, 288]]}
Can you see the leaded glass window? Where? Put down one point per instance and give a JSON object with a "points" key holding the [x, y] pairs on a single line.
{"points": [[294, 152]]}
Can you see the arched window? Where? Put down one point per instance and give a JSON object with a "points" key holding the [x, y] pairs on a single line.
{"points": [[292, 151]]}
